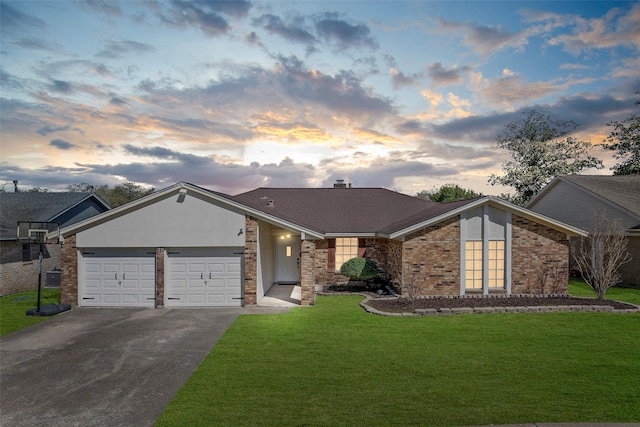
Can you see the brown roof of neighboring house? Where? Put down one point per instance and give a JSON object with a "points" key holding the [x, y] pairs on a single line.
{"points": [[337, 210], [622, 190]]}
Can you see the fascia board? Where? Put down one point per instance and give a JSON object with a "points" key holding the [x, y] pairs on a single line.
{"points": [[494, 201], [361, 235]]}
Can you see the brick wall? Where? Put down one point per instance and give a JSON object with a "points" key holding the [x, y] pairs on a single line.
{"points": [[631, 270], [17, 276], [251, 260], [537, 252], [307, 272], [431, 259], [160, 277], [69, 277]]}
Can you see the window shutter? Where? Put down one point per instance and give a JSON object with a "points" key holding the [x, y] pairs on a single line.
{"points": [[361, 247], [331, 255]]}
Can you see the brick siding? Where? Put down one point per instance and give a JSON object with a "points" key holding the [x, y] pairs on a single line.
{"points": [[251, 260], [69, 278], [537, 251], [631, 271], [431, 259], [307, 272], [160, 277]]}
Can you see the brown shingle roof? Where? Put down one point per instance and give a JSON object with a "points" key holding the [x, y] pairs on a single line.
{"points": [[336, 210]]}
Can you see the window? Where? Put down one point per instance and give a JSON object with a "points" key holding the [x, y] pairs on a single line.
{"points": [[288, 251], [346, 248], [473, 265], [496, 263]]}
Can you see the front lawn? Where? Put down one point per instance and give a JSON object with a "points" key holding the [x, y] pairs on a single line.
{"points": [[13, 308], [334, 364]]}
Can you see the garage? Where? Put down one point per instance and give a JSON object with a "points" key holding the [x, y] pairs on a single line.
{"points": [[118, 278], [204, 277]]}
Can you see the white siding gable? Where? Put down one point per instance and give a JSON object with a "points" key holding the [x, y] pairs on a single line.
{"points": [[175, 221]]}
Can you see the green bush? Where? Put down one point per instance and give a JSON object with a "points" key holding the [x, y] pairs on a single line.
{"points": [[359, 269]]}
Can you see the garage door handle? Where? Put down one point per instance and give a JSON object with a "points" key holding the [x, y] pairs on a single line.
{"points": [[124, 276], [209, 275], [116, 276], [201, 275], [173, 298]]}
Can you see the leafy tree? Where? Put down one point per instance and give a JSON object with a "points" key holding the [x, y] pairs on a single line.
{"points": [[540, 148], [600, 255], [625, 141], [116, 196], [448, 193]]}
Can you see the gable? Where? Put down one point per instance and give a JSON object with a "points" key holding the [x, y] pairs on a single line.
{"points": [[175, 220], [578, 207]]}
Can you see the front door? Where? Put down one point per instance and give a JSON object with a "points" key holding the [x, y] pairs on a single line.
{"points": [[288, 259]]}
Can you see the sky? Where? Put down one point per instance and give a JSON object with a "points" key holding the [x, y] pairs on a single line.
{"points": [[235, 95]]}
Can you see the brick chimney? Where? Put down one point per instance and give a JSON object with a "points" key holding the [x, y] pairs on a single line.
{"points": [[340, 184]]}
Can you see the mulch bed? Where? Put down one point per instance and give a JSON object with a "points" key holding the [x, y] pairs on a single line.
{"points": [[404, 305]]}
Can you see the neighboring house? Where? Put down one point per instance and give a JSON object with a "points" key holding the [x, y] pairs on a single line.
{"points": [[579, 199], [188, 246], [19, 262]]}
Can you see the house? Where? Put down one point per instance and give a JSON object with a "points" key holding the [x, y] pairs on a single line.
{"points": [[19, 262], [579, 199], [189, 246]]}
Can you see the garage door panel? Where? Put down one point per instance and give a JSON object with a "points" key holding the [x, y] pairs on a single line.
{"points": [[205, 277], [118, 278]]}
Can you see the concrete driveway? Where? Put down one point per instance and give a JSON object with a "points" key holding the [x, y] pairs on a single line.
{"points": [[104, 367]]}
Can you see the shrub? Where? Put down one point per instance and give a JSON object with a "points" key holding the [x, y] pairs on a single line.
{"points": [[359, 269]]}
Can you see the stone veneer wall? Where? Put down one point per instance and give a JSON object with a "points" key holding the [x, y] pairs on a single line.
{"points": [[69, 275], [537, 250], [431, 258], [251, 260]]}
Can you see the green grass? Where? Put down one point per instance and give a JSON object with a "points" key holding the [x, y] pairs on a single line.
{"points": [[13, 308], [334, 364], [579, 288]]}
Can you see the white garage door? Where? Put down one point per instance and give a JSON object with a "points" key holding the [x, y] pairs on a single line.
{"points": [[203, 278], [118, 278]]}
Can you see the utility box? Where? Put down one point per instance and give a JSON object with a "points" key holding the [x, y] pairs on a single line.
{"points": [[53, 279]]}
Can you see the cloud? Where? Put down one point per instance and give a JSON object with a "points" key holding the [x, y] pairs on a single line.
{"points": [[206, 16], [62, 144], [292, 31], [48, 129], [12, 18], [110, 8], [61, 86], [613, 29], [119, 49], [400, 80], [442, 76], [483, 39], [339, 31], [37, 44]]}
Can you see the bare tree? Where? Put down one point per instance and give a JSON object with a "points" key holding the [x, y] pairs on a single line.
{"points": [[600, 255], [412, 281]]}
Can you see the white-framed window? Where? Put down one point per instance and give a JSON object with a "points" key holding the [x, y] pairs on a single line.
{"points": [[473, 264], [485, 258], [496, 258], [346, 248]]}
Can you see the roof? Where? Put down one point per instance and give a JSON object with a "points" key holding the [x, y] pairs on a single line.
{"points": [[622, 191], [328, 212], [32, 206], [336, 210]]}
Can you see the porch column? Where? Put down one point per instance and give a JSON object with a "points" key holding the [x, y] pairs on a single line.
{"points": [[69, 275], [307, 272], [250, 260]]}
